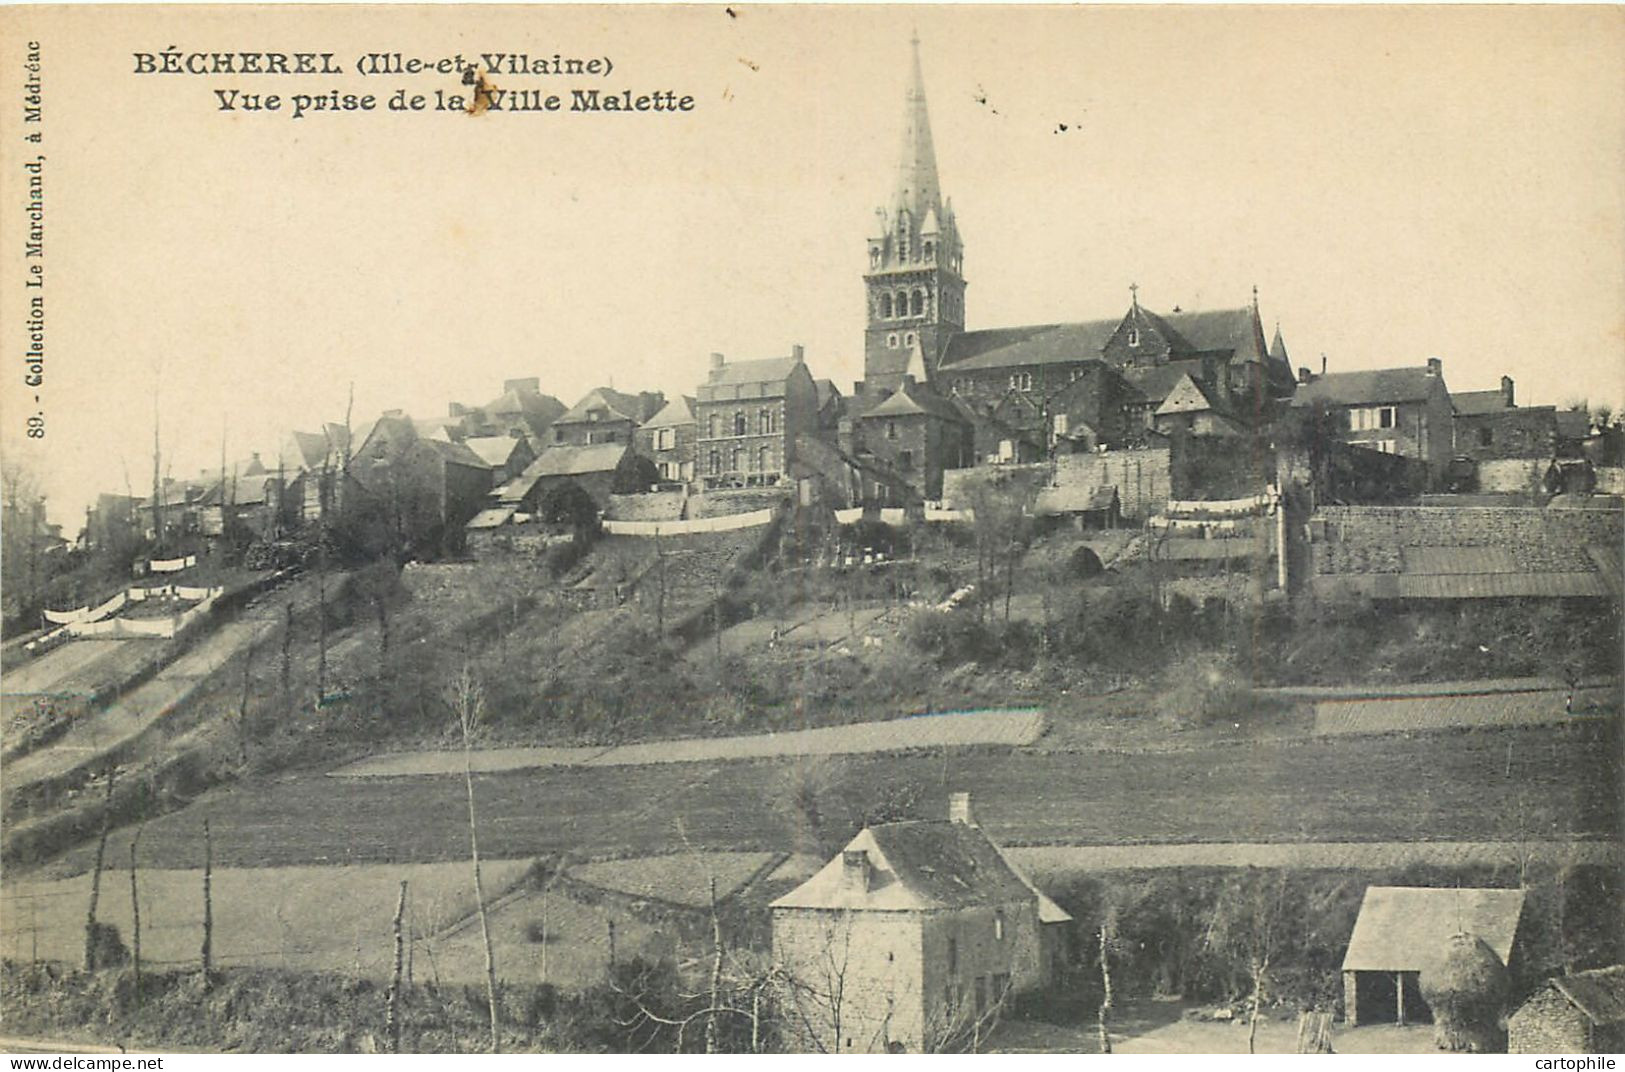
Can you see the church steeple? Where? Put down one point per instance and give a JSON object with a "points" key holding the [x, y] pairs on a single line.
{"points": [[918, 192], [915, 290]]}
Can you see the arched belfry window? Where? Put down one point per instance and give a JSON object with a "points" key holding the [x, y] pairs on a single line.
{"points": [[885, 306], [902, 303], [929, 249], [919, 303]]}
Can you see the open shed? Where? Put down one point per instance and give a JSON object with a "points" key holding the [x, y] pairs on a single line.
{"points": [[1403, 929]]}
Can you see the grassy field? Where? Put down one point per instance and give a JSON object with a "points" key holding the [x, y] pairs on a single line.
{"points": [[1504, 784]]}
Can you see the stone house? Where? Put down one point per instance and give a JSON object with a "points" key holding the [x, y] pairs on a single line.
{"points": [[1404, 411], [667, 439], [917, 434], [507, 456], [748, 417], [520, 410], [911, 939], [1580, 1013], [604, 415]]}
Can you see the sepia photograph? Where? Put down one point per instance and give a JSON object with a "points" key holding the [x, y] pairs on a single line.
{"points": [[808, 529]]}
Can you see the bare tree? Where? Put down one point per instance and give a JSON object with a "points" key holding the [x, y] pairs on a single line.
{"points": [[135, 919], [394, 1014], [208, 906], [468, 705], [93, 939]]}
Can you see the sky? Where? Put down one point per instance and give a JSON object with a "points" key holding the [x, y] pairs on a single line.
{"points": [[1399, 183]]}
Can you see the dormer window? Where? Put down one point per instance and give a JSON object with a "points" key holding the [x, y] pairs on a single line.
{"points": [[929, 249]]}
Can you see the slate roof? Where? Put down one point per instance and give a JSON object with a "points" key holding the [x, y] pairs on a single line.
{"points": [[1405, 928], [922, 865], [910, 400], [457, 453], [1367, 387], [494, 451], [1599, 993], [1154, 382], [1187, 396], [571, 461], [621, 406], [826, 391], [1475, 403], [307, 450], [679, 410], [1035, 344], [1216, 331], [765, 370]]}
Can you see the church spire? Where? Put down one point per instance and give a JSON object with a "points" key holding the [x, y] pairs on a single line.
{"points": [[917, 188]]}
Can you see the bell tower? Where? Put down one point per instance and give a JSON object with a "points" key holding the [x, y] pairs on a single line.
{"points": [[913, 284]]}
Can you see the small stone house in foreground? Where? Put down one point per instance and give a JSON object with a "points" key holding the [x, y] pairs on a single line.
{"points": [[1579, 1013], [911, 939], [1403, 929]]}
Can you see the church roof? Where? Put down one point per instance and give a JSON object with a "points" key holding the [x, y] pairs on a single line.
{"points": [[917, 187], [1034, 344]]}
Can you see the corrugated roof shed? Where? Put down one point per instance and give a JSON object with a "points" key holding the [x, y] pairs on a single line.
{"points": [[1406, 928], [1599, 994]]}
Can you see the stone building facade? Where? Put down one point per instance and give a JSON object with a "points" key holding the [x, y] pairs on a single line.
{"points": [[748, 415]]}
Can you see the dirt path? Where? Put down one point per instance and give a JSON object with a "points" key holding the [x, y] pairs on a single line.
{"points": [[1020, 727]]}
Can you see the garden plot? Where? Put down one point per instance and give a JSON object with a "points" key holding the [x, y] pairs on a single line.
{"points": [[311, 918], [1394, 715]]}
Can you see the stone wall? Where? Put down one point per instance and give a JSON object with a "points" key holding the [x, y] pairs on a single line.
{"points": [[1511, 474], [1143, 478], [653, 506], [742, 501]]}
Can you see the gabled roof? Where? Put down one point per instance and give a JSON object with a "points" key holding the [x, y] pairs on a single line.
{"points": [[1215, 331], [621, 407], [1599, 993], [826, 392], [564, 461], [457, 453], [679, 410], [308, 450], [494, 451], [770, 370], [1476, 403], [1406, 928], [1153, 382], [1035, 344], [1367, 387], [1187, 396], [920, 865]]}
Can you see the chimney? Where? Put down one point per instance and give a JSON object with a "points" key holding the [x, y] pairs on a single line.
{"points": [[798, 352], [1304, 375], [1323, 364], [855, 870], [959, 809], [525, 385], [1506, 392], [457, 409], [717, 360], [1435, 367]]}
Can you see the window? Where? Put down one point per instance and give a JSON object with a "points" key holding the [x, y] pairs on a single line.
{"points": [[1061, 420], [762, 457], [928, 250], [1369, 418], [885, 306], [1021, 381], [902, 303], [716, 461], [905, 459], [739, 422], [558, 435], [918, 308], [1486, 437], [998, 926], [715, 428], [891, 341], [874, 256], [1386, 446], [891, 429], [738, 459], [1007, 450], [663, 439], [764, 422], [1134, 336], [908, 338]]}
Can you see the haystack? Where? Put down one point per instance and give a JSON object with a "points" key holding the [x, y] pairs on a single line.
{"points": [[1466, 987]]}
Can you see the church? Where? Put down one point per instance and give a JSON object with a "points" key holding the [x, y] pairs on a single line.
{"points": [[936, 396]]}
